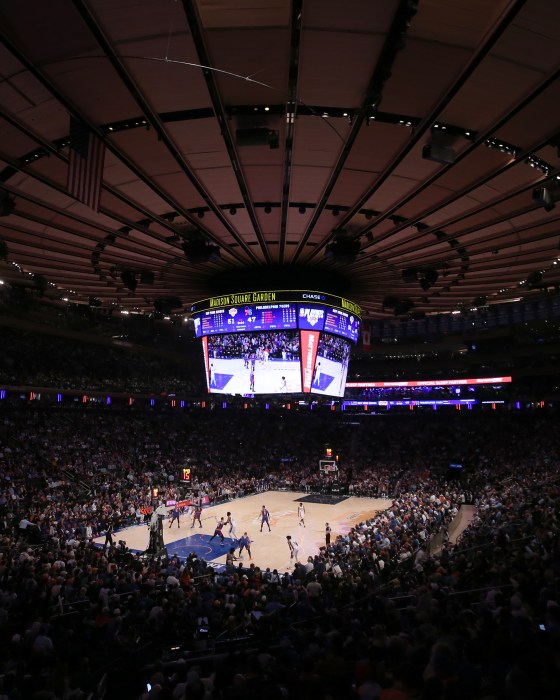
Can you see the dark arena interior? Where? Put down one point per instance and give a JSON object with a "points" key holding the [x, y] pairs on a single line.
{"points": [[279, 350]]}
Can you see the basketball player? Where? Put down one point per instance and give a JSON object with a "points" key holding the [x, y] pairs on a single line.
{"points": [[175, 516], [245, 543], [212, 375], [301, 514], [196, 515], [251, 379], [317, 376], [232, 532], [265, 518], [294, 550], [218, 531]]}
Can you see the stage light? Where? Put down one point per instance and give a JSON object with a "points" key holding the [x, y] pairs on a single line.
{"points": [[343, 250], [438, 149], [410, 274], [534, 279], [403, 307], [390, 302], [41, 284], [128, 278], [438, 154], [260, 136], [7, 203], [199, 251], [147, 277], [428, 279], [546, 197], [165, 305]]}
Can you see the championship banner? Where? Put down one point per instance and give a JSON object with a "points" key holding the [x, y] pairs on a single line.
{"points": [[366, 335]]}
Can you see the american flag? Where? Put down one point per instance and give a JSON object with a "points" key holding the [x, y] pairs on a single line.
{"points": [[85, 166]]}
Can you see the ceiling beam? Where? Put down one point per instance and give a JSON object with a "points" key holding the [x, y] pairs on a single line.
{"points": [[193, 21], [502, 24]]}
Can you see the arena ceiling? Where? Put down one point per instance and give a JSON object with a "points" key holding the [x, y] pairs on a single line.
{"points": [[403, 154]]}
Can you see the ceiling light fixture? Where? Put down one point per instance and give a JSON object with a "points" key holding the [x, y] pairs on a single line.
{"points": [[7, 203], [200, 251], [128, 278], [547, 197]]}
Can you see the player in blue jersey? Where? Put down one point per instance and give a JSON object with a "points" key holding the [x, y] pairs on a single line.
{"points": [[265, 518], [245, 543], [175, 516], [218, 530], [196, 515]]}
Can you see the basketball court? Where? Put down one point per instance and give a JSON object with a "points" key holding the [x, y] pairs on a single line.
{"points": [[269, 549]]}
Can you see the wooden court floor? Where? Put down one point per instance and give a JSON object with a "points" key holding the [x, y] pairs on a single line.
{"points": [[269, 549]]}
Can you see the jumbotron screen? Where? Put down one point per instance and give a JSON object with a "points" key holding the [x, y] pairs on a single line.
{"points": [[281, 342]]}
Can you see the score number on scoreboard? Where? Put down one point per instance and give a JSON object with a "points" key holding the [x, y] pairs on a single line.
{"points": [[185, 475]]}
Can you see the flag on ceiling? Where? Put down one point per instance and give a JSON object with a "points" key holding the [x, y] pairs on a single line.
{"points": [[85, 166]]}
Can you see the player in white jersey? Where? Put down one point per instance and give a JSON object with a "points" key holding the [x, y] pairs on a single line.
{"points": [[294, 550], [232, 532]]}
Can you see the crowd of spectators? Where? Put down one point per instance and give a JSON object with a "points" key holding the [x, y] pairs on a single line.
{"points": [[36, 360], [375, 614], [334, 348], [427, 393], [43, 361]]}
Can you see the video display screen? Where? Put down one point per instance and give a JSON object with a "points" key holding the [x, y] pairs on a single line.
{"points": [[253, 363], [276, 362], [263, 317], [254, 317], [311, 317], [276, 342], [342, 323], [331, 366]]}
